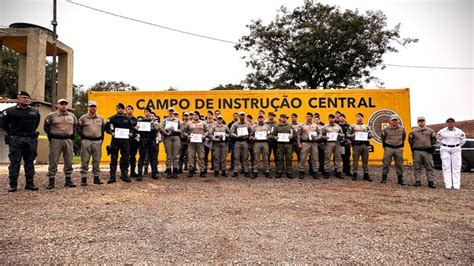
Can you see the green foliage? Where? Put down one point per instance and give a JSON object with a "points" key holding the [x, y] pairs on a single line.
{"points": [[112, 86], [318, 46], [229, 86], [9, 73]]}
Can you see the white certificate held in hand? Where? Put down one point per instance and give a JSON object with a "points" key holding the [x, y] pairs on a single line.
{"points": [[242, 131], [196, 138], [217, 134], [261, 135], [171, 125], [121, 133], [144, 126], [312, 135], [283, 137], [332, 136], [362, 136]]}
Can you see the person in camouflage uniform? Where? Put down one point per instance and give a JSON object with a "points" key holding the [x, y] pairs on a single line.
{"points": [[284, 135]]}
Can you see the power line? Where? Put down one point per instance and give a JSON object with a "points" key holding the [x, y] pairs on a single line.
{"points": [[150, 23], [231, 42], [431, 67]]}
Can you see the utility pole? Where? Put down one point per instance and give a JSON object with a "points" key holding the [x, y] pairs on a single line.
{"points": [[55, 54]]}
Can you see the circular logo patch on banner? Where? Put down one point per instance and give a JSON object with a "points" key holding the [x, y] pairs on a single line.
{"points": [[379, 120]]}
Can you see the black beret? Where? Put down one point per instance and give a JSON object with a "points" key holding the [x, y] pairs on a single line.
{"points": [[121, 106], [361, 114], [23, 93], [331, 116]]}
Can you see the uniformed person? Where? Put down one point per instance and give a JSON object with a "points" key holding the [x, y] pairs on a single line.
{"points": [[272, 144], [308, 135], [345, 146], [219, 134], [393, 140], [249, 119], [284, 136], [118, 125], [183, 147], [133, 141], [332, 134], [147, 142], [60, 126], [296, 126], [196, 131], [451, 139], [360, 147], [208, 142], [235, 118], [240, 132], [422, 141], [20, 123], [91, 130], [259, 136], [171, 131], [321, 142]]}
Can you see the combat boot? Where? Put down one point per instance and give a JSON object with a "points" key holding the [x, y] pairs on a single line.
{"points": [[246, 174], [50, 183], [155, 175], [30, 185], [267, 175], [339, 175], [384, 179], [254, 175], [289, 175], [126, 179], [417, 184], [175, 173], [235, 174], [326, 175], [202, 174], [400, 180], [315, 175], [180, 170], [367, 177], [278, 175], [97, 180], [216, 173], [168, 173], [354, 176], [301, 175], [224, 173], [13, 186], [69, 182], [191, 173], [84, 181], [111, 180], [431, 184], [139, 177]]}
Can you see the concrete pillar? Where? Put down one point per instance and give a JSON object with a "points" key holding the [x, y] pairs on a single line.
{"points": [[65, 65], [32, 72]]}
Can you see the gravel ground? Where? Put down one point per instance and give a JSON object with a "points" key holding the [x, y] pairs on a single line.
{"points": [[226, 220]]}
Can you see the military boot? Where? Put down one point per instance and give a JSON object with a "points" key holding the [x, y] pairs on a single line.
{"points": [[168, 173], [400, 180], [254, 175], [132, 172], [30, 185], [267, 175], [13, 186], [155, 175], [246, 174], [50, 183], [191, 173], [326, 175], [354, 176], [175, 173], [139, 177], [384, 179], [216, 173], [180, 169], [417, 184], [289, 175], [431, 184], [367, 177], [202, 174], [278, 175], [69, 182], [126, 179], [315, 175], [97, 180], [224, 173], [339, 175], [235, 174], [84, 181], [301, 175], [111, 180]]}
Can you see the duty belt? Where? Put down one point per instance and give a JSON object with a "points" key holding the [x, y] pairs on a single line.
{"points": [[91, 138], [52, 136], [18, 134], [357, 143], [393, 146], [450, 146]]}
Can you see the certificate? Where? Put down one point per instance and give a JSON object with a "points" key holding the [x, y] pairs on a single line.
{"points": [[332, 136], [196, 138], [361, 136], [242, 131], [144, 126], [261, 135], [217, 134], [121, 133], [312, 135], [171, 125], [283, 137]]}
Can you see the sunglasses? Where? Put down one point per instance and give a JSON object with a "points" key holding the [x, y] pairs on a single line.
{"points": [[92, 106]]}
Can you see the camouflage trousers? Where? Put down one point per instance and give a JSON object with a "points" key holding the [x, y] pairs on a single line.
{"points": [[284, 157]]}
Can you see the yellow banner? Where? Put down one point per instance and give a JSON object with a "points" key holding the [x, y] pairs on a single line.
{"points": [[376, 104]]}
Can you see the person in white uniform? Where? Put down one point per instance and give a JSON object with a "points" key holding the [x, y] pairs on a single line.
{"points": [[451, 140]]}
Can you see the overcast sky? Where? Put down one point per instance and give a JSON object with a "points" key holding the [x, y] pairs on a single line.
{"points": [[110, 48]]}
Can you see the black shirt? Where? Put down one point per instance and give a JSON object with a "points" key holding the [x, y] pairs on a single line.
{"points": [[17, 120], [118, 121]]}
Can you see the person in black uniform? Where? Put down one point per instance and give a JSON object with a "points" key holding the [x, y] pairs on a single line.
{"points": [[134, 145], [117, 126], [346, 156], [20, 123], [148, 145]]}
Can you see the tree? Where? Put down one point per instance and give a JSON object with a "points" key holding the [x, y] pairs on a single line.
{"points": [[229, 86], [318, 46], [112, 86]]}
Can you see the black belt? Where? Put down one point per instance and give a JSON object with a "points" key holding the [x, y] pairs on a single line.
{"points": [[358, 143], [393, 146], [93, 139], [450, 146], [52, 136], [309, 141], [31, 135]]}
